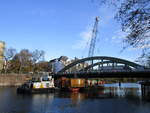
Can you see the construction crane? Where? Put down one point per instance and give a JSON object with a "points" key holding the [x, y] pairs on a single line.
{"points": [[93, 38]]}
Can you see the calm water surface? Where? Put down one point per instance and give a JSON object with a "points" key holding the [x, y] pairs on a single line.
{"points": [[113, 99]]}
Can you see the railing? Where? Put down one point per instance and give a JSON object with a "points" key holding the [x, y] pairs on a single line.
{"points": [[106, 71]]}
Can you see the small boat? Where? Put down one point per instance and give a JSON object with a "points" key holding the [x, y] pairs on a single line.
{"points": [[42, 84]]}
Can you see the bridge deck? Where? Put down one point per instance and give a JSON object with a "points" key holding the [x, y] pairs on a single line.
{"points": [[139, 74]]}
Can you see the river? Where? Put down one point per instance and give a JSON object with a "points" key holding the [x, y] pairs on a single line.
{"points": [[111, 99]]}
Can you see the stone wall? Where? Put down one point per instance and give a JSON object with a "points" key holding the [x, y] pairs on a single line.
{"points": [[13, 79]]}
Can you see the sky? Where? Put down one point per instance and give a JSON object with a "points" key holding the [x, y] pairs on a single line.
{"points": [[62, 28]]}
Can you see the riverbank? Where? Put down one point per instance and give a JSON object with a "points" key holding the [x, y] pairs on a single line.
{"points": [[13, 79]]}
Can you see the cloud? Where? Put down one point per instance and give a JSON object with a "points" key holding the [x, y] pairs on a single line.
{"points": [[118, 37], [85, 36], [106, 16], [84, 40], [144, 46]]}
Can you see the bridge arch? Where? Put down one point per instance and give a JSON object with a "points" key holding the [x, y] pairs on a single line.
{"points": [[103, 60]]}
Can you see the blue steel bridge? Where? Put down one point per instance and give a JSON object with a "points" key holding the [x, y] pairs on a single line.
{"points": [[103, 67]]}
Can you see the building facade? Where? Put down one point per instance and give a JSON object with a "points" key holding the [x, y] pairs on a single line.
{"points": [[59, 63], [2, 49]]}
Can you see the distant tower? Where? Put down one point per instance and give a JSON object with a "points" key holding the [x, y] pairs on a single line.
{"points": [[93, 38], [2, 48]]}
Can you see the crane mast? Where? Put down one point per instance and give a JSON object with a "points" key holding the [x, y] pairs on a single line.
{"points": [[93, 38]]}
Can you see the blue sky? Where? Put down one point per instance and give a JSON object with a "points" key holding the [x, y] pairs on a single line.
{"points": [[61, 27]]}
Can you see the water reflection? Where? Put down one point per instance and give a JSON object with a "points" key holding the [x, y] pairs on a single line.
{"points": [[41, 102], [128, 90], [76, 98], [108, 91], [110, 99]]}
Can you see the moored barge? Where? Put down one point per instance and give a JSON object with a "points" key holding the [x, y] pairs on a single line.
{"points": [[44, 84]]}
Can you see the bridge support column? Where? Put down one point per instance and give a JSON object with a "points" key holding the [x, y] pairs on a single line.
{"points": [[83, 66], [92, 64], [102, 63], [98, 66], [113, 65]]}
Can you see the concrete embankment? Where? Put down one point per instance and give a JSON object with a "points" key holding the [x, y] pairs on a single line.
{"points": [[13, 79]]}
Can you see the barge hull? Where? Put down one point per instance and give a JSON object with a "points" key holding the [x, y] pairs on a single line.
{"points": [[40, 90]]}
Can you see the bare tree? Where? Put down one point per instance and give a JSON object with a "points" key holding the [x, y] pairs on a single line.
{"points": [[134, 16], [37, 55], [24, 57], [8, 55]]}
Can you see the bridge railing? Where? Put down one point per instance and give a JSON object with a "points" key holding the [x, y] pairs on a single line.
{"points": [[105, 71]]}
